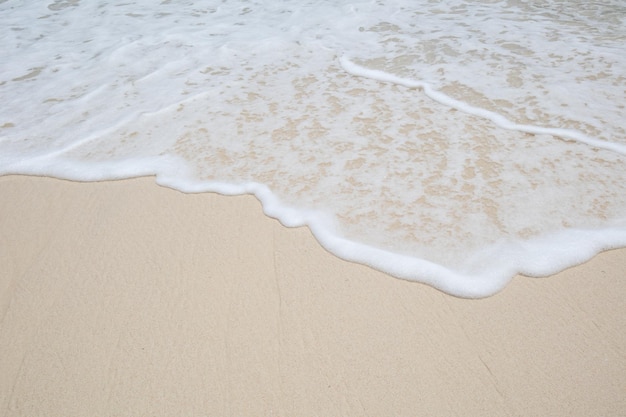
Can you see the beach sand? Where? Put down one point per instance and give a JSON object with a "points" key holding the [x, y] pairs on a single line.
{"points": [[126, 298]]}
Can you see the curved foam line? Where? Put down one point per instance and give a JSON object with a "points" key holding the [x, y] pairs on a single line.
{"points": [[496, 118], [495, 266], [322, 226], [539, 257]]}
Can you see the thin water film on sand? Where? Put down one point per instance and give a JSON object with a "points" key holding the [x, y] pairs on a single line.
{"points": [[454, 143]]}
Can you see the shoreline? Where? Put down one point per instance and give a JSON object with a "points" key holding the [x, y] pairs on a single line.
{"points": [[126, 298]]}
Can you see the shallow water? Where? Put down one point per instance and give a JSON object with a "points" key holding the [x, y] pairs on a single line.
{"points": [[454, 143]]}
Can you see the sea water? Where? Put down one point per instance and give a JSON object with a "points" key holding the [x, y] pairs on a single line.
{"points": [[455, 143]]}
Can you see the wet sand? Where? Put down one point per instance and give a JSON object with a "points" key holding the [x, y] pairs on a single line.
{"points": [[129, 299]]}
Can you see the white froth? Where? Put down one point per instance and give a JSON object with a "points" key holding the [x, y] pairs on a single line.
{"points": [[454, 143], [496, 118]]}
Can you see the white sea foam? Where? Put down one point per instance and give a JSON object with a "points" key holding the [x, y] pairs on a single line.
{"points": [[454, 143]]}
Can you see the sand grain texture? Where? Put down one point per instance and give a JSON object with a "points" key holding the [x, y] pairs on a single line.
{"points": [[127, 299]]}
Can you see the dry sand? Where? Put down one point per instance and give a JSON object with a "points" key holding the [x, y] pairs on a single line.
{"points": [[129, 299]]}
